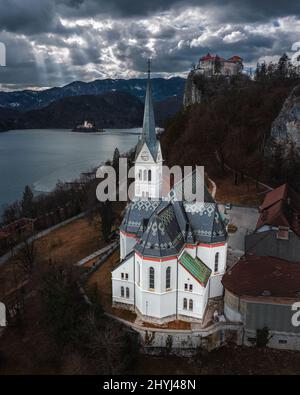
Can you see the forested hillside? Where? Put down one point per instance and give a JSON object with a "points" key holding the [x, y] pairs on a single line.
{"points": [[232, 124]]}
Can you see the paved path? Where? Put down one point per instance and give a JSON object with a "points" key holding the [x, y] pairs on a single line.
{"points": [[95, 254]]}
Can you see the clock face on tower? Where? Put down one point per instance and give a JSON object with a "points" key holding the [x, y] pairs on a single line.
{"points": [[145, 155]]}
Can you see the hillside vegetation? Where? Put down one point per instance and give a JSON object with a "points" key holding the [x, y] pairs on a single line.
{"points": [[231, 124]]}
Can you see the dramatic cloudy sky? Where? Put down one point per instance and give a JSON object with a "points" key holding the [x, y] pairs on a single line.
{"points": [[53, 42]]}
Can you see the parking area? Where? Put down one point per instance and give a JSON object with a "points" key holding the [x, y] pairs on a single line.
{"points": [[245, 219]]}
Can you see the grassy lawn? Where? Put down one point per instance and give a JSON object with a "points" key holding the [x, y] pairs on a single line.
{"points": [[68, 244]]}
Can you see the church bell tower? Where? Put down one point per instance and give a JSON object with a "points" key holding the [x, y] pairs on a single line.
{"points": [[148, 158]]}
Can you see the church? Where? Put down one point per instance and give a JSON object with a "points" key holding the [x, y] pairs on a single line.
{"points": [[172, 251]]}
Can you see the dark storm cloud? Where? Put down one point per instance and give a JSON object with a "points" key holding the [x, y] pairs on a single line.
{"points": [[52, 42], [249, 10], [30, 16]]}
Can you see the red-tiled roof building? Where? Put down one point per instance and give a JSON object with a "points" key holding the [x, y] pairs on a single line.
{"points": [[277, 230], [261, 292], [214, 64]]}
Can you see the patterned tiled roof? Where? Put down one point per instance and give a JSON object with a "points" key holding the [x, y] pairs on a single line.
{"points": [[136, 212], [196, 267], [163, 236], [164, 226], [206, 222]]}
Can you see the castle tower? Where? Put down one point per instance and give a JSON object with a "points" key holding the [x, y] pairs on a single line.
{"points": [[148, 159]]}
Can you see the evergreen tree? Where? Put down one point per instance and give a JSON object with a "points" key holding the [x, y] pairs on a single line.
{"points": [[263, 70], [115, 162], [283, 66], [116, 158], [217, 65], [27, 202], [257, 71], [107, 218]]}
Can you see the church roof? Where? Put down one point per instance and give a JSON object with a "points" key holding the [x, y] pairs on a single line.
{"points": [[136, 212], [148, 133], [162, 236], [164, 226], [196, 268], [206, 222]]}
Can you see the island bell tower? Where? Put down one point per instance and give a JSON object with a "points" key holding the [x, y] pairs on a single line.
{"points": [[148, 158]]}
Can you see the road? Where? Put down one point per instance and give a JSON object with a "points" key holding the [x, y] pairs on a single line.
{"points": [[245, 218]]}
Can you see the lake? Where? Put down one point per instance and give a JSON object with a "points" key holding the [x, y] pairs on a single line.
{"points": [[40, 158]]}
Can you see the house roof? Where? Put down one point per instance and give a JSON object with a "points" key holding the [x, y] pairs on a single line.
{"points": [[281, 207], [273, 216], [274, 196], [263, 277], [195, 267], [235, 58]]}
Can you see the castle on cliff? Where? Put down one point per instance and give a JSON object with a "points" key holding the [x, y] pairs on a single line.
{"points": [[210, 65]]}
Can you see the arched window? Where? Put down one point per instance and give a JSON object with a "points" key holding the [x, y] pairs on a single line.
{"points": [[122, 292], [168, 277], [216, 262], [151, 278], [127, 292], [184, 303], [191, 304], [145, 175], [140, 174], [149, 175]]}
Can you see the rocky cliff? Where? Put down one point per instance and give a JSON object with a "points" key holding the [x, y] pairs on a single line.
{"points": [[285, 131], [200, 87], [192, 93]]}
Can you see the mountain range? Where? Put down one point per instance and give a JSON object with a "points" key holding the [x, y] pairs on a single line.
{"points": [[30, 99], [107, 103]]}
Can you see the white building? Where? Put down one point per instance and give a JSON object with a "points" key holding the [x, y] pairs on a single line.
{"points": [[173, 253]]}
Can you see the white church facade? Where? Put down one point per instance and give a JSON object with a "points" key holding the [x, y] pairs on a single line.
{"points": [[172, 252]]}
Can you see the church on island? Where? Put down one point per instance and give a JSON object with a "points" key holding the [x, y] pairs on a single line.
{"points": [[172, 251]]}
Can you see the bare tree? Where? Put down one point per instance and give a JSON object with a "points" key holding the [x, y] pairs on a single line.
{"points": [[26, 256], [111, 345]]}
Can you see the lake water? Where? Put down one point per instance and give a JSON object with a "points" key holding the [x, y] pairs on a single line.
{"points": [[40, 158]]}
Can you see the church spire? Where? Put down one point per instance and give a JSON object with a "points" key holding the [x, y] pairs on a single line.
{"points": [[149, 122]]}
